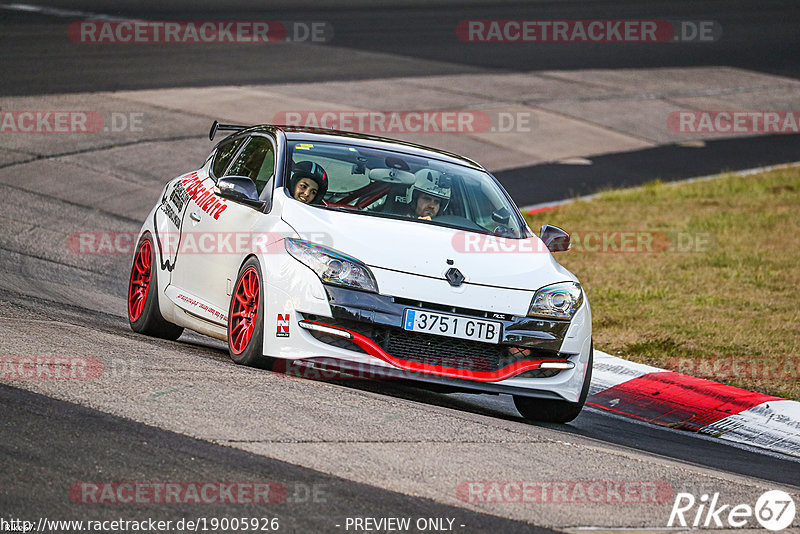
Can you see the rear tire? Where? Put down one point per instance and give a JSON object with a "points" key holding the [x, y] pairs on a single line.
{"points": [[555, 411], [144, 315], [246, 317]]}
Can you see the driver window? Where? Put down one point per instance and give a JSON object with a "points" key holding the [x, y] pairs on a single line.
{"points": [[224, 154], [256, 161]]}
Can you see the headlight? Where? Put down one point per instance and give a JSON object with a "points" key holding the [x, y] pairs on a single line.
{"points": [[557, 301], [331, 266]]}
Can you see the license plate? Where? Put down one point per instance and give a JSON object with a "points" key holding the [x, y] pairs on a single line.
{"points": [[442, 324]]}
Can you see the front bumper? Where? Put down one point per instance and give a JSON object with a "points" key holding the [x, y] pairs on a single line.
{"points": [[372, 324]]}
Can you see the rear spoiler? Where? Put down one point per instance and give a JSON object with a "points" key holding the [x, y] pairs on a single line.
{"points": [[217, 126]]}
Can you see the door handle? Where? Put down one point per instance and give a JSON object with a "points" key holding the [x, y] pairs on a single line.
{"points": [[195, 217]]}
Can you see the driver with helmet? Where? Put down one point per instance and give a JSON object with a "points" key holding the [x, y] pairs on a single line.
{"points": [[429, 194], [308, 183]]}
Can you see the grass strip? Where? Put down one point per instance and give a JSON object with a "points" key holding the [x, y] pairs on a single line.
{"points": [[701, 278]]}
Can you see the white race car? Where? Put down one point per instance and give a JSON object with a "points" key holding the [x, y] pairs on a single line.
{"points": [[309, 246]]}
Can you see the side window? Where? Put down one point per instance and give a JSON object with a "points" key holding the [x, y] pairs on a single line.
{"points": [[256, 161], [224, 154]]}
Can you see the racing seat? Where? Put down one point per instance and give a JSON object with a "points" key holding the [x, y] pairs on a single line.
{"points": [[396, 201]]}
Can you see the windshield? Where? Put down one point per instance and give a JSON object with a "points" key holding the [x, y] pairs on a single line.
{"points": [[396, 185]]}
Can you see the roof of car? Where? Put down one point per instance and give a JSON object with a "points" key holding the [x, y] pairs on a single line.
{"points": [[320, 135]]}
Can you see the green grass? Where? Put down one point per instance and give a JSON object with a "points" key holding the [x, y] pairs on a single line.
{"points": [[719, 280]]}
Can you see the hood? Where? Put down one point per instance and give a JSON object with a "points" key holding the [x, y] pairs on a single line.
{"points": [[418, 248]]}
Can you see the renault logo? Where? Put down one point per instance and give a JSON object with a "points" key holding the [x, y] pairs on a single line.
{"points": [[454, 277]]}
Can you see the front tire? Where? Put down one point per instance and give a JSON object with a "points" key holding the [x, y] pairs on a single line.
{"points": [[555, 411], [246, 317], [144, 315]]}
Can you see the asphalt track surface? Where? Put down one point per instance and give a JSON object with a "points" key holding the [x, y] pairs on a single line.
{"points": [[48, 444], [760, 35], [550, 182], [47, 440]]}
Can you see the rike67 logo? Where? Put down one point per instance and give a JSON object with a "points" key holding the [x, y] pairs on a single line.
{"points": [[774, 510]]}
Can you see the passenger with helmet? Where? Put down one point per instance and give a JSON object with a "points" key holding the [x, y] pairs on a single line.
{"points": [[308, 183], [429, 194]]}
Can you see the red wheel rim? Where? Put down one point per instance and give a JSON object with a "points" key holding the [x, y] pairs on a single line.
{"points": [[244, 310], [140, 280]]}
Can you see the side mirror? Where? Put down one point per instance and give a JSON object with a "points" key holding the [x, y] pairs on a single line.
{"points": [[554, 238], [501, 216], [239, 189]]}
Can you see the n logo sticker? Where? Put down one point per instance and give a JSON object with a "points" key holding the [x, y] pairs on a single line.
{"points": [[283, 325]]}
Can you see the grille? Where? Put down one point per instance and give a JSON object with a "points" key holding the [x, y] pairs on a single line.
{"points": [[538, 373], [446, 352], [446, 309], [437, 350]]}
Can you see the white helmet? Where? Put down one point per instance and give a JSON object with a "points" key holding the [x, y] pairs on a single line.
{"points": [[433, 183]]}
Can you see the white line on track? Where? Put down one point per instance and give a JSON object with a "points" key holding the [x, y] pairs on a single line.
{"points": [[64, 13], [698, 435]]}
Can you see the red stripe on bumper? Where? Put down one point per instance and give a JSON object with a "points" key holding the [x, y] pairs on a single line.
{"points": [[508, 371], [676, 400]]}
